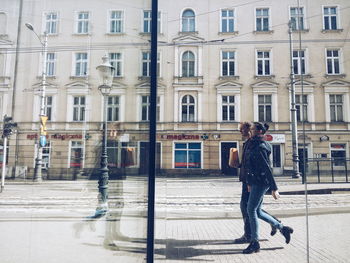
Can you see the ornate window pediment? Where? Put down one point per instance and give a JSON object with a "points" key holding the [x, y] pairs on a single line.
{"points": [[265, 84], [188, 39], [50, 88], [145, 88], [336, 83], [228, 86]]}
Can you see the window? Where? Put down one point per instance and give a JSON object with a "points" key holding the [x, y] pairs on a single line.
{"points": [[51, 64], [264, 107], [188, 62], [228, 63], [145, 108], [263, 63], [81, 63], [297, 18], [330, 18], [121, 154], [147, 18], [187, 109], [336, 107], [46, 155], [48, 107], [262, 19], [76, 154], [146, 64], [188, 155], [338, 154], [116, 61], [79, 108], [228, 108], [82, 23], [301, 107], [188, 21], [51, 23], [333, 61], [227, 21], [116, 22], [113, 108], [299, 62]]}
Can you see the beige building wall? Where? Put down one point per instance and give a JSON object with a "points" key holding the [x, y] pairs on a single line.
{"points": [[207, 87]]}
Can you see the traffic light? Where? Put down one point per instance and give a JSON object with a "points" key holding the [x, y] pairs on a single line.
{"points": [[8, 126]]}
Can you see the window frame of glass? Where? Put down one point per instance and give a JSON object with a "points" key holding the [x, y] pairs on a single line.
{"points": [[262, 19], [48, 107], [51, 23], [333, 63], [81, 64], [51, 60], [116, 21], [299, 62], [263, 62], [297, 17], [116, 60], [188, 64], [188, 22], [227, 21], [302, 115], [228, 105], [79, 108], [264, 104], [188, 109], [336, 107], [228, 62], [188, 149], [329, 18], [82, 23]]}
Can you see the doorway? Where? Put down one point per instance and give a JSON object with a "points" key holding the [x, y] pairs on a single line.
{"points": [[225, 154]]}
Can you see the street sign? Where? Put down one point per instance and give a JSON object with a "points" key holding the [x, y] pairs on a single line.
{"points": [[42, 140]]}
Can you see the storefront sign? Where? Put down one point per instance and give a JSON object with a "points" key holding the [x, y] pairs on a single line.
{"points": [[275, 138], [57, 136], [179, 137]]}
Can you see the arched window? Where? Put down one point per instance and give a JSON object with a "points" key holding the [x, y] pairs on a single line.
{"points": [[187, 109], [188, 21], [188, 64]]}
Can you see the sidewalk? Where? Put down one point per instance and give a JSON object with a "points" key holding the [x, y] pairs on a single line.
{"points": [[196, 221]]}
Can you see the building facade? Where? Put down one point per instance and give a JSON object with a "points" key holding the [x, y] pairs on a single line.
{"points": [[219, 63]]}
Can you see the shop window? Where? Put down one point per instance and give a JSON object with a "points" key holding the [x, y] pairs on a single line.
{"points": [[76, 154], [121, 154], [338, 154], [188, 155]]}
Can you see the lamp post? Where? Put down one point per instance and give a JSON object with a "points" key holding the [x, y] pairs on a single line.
{"points": [[293, 109], [42, 115], [106, 72]]}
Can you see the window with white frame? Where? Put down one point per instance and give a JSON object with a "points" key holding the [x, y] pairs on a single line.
{"points": [[301, 107], [79, 105], [147, 18], [188, 106], [265, 108], [46, 150], [228, 63], [51, 64], [76, 154], [333, 61], [338, 154], [188, 21], [117, 62], [81, 64], [188, 155], [297, 18], [145, 108], [146, 64], [330, 18], [116, 22], [122, 154], [188, 64], [263, 63], [51, 23], [262, 19], [82, 23], [299, 62], [227, 20], [113, 104], [48, 107], [336, 107], [228, 107]]}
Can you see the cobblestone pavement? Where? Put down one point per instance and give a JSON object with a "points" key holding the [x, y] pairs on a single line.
{"points": [[197, 219]]}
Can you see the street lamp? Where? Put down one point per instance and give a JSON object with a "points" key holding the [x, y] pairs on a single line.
{"points": [[42, 115], [106, 72], [293, 110]]}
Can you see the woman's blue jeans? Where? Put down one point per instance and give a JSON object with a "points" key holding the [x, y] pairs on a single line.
{"points": [[256, 197]]}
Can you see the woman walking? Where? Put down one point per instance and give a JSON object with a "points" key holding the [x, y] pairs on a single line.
{"points": [[260, 180]]}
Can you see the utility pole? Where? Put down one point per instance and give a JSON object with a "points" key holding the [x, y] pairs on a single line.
{"points": [[41, 141], [293, 109]]}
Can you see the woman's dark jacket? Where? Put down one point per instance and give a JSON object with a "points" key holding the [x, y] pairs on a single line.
{"points": [[259, 168]]}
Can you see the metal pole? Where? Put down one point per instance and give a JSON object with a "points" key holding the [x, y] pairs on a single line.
{"points": [[152, 134], [293, 110], [38, 160], [4, 153], [103, 178]]}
